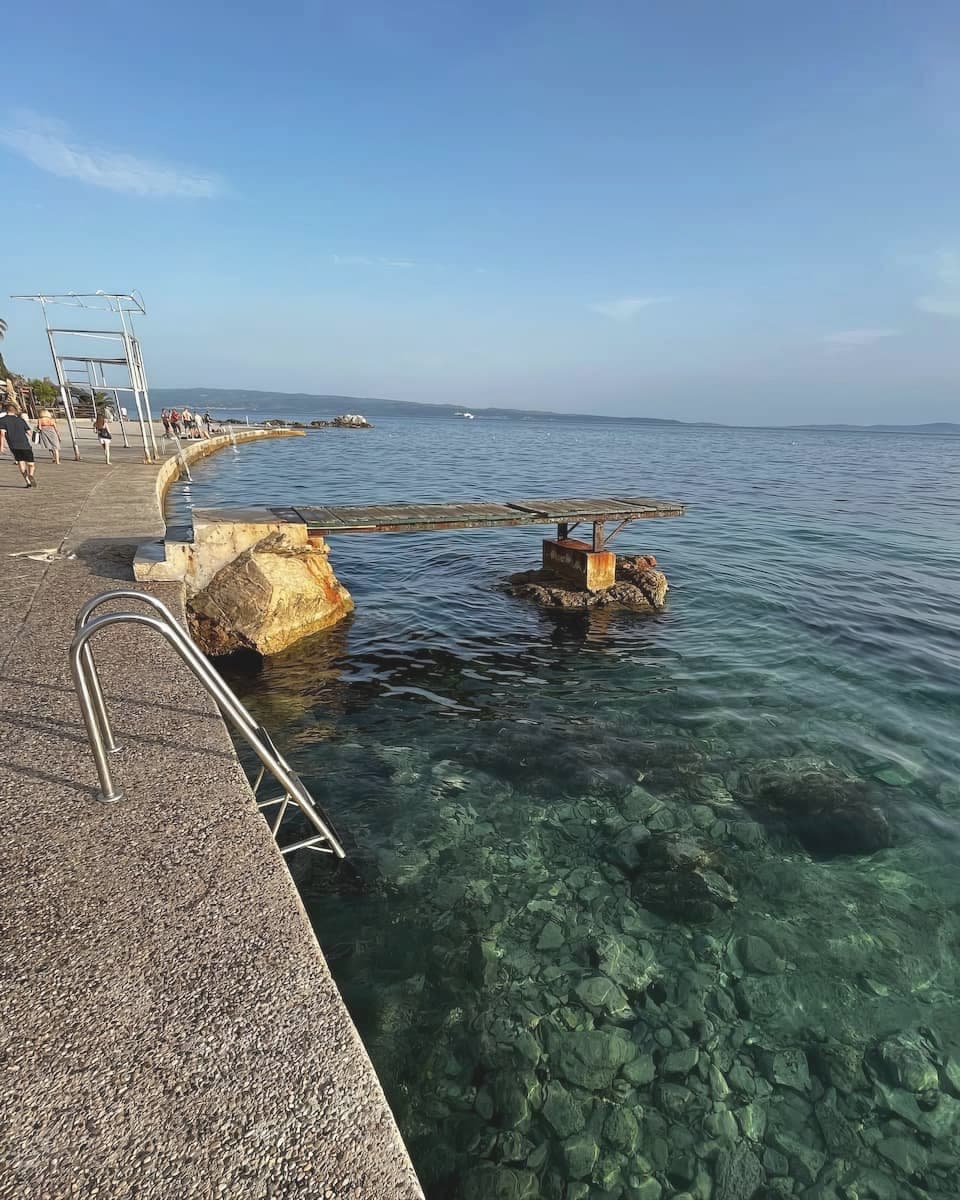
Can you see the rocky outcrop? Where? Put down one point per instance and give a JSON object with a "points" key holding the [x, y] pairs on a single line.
{"points": [[271, 595], [639, 587], [344, 421]]}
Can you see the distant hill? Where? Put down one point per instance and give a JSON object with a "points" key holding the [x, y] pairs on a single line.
{"points": [[299, 404], [304, 406]]}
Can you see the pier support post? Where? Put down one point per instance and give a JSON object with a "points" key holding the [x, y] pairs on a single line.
{"points": [[577, 561]]}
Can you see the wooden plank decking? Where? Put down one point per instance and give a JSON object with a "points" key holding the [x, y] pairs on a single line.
{"points": [[411, 517]]}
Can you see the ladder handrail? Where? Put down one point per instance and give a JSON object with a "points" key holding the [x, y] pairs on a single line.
{"points": [[93, 706], [83, 618]]}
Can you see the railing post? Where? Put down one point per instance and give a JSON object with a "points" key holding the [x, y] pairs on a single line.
{"points": [[108, 793]]}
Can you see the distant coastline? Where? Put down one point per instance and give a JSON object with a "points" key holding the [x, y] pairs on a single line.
{"points": [[297, 404]]}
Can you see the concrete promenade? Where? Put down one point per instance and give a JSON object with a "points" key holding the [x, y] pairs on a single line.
{"points": [[168, 1025]]}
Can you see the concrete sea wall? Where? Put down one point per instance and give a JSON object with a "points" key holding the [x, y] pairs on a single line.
{"points": [[171, 1027]]}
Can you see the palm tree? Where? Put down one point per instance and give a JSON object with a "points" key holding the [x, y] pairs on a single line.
{"points": [[3, 368]]}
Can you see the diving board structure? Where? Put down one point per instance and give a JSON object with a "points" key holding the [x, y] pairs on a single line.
{"points": [[404, 517], [195, 553]]}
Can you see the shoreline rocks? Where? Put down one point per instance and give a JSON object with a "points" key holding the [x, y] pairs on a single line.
{"points": [[344, 421]]}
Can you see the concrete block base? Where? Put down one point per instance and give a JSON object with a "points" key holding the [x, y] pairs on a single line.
{"points": [[593, 570]]}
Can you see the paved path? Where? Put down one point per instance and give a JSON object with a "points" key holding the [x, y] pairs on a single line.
{"points": [[169, 1026]]}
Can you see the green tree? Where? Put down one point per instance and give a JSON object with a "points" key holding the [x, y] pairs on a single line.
{"points": [[46, 392]]}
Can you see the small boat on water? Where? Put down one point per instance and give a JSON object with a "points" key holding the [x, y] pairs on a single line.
{"points": [[466, 415]]}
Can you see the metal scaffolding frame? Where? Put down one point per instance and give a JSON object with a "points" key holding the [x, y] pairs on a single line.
{"points": [[121, 305]]}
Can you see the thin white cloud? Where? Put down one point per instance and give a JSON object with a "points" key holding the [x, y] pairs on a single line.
{"points": [[943, 306], [362, 260], [859, 337], [943, 269], [627, 307], [49, 145]]}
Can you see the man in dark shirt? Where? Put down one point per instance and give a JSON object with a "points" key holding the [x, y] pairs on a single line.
{"points": [[15, 433]]}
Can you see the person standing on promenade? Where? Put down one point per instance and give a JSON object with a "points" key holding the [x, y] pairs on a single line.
{"points": [[49, 434], [15, 432], [165, 418], [102, 426]]}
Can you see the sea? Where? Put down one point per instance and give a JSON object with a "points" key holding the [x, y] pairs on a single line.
{"points": [[640, 907]]}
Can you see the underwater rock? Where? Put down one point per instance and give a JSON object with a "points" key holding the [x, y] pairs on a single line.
{"points": [[589, 1058], [738, 1174], [806, 1162], [628, 963], [787, 1068], [679, 1063], [752, 1119], [644, 1189], [904, 1153], [678, 878], [490, 1182], [580, 1154], [674, 1098], [603, 997], [621, 1130], [838, 1065], [905, 1061], [940, 1121], [839, 1134], [829, 813], [758, 955], [641, 1071], [551, 937], [951, 1074], [561, 1111]]}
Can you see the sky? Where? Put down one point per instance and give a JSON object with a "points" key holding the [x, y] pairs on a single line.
{"points": [[740, 212]]}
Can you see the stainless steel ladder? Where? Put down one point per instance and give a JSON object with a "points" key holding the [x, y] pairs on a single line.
{"points": [[93, 706]]}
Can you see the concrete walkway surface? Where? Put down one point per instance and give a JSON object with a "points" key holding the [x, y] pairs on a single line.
{"points": [[170, 1028]]}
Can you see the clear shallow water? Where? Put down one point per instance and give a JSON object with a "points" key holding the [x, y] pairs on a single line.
{"points": [[646, 906]]}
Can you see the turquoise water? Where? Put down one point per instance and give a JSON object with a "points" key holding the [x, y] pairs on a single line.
{"points": [[642, 907]]}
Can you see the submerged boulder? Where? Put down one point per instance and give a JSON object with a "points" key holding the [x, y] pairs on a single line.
{"points": [[678, 878], [829, 813], [906, 1060], [268, 597]]}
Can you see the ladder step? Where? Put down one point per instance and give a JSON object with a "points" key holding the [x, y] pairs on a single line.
{"points": [[276, 800], [309, 843]]}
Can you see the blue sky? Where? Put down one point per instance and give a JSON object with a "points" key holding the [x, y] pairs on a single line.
{"points": [[738, 212]]}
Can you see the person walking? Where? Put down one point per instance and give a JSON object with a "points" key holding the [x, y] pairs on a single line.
{"points": [[175, 421], [15, 432], [102, 426], [49, 434], [186, 416], [165, 418]]}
